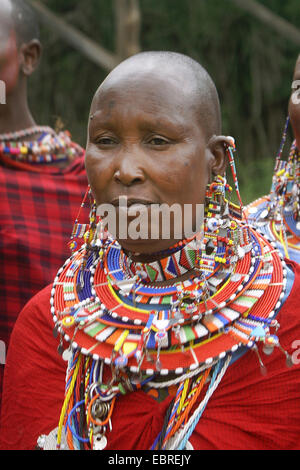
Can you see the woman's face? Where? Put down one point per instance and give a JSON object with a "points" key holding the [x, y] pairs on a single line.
{"points": [[144, 143], [294, 104]]}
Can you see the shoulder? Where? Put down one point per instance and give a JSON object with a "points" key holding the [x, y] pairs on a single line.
{"points": [[32, 336], [39, 380], [32, 339], [36, 312], [289, 314]]}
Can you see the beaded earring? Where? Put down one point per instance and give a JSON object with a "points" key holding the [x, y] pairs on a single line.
{"points": [[79, 229], [235, 210], [222, 238], [90, 233], [84, 232]]}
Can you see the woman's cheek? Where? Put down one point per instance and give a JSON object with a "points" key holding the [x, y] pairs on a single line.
{"points": [[9, 74], [9, 64], [98, 171]]}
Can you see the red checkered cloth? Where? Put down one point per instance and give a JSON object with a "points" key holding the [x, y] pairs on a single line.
{"points": [[38, 207]]}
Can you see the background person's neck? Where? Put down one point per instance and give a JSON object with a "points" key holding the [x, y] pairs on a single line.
{"points": [[15, 114]]}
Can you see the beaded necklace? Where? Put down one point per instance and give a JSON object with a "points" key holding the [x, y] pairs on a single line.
{"points": [[19, 135], [180, 260], [125, 331], [49, 148], [278, 214]]}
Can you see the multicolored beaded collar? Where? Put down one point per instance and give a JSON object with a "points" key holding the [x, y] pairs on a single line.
{"points": [[48, 148], [278, 214], [125, 331], [30, 131], [121, 320], [181, 260]]}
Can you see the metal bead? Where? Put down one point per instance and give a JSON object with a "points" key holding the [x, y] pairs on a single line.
{"points": [[100, 410]]}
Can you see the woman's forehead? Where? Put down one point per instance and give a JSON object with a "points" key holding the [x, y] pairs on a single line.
{"points": [[173, 87], [148, 93]]}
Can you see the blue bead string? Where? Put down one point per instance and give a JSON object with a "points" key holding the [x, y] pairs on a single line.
{"points": [[182, 445]]}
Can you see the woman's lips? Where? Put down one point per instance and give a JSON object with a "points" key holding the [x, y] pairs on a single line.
{"points": [[124, 201]]}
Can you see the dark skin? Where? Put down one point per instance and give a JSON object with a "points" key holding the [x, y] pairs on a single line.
{"points": [[17, 63], [145, 142], [294, 105]]}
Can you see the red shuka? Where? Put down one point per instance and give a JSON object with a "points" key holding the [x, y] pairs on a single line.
{"points": [[38, 207], [247, 410]]}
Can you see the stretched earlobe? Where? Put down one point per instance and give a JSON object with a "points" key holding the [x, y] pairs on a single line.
{"points": [[217, 146]]}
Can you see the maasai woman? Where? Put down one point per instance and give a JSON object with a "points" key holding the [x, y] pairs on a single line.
{"points": [[177, 341], [278, 214]]}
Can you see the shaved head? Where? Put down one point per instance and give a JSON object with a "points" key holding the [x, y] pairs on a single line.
{"points": [[154, 133], [22, 19], [195, 83]]}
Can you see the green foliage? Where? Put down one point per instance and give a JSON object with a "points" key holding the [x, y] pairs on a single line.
{"points": [[251, 65]]}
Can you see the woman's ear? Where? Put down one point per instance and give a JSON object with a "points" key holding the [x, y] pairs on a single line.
{"points": [[30, 56], [217, 147]]}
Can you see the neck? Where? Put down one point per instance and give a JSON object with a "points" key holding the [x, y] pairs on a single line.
{"points": [[174, 265], [15, 114], [171, 247]]}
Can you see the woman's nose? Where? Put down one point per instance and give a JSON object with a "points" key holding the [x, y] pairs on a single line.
{"points": [[129, 170]]}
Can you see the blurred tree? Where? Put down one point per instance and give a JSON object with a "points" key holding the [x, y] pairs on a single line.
{"points": [[251, 64]]}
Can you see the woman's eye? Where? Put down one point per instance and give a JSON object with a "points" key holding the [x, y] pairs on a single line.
{"points": [[158, 141], [105, 141]]}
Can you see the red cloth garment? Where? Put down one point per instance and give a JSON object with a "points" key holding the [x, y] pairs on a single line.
{"points": [[38, 207], [247, 411]]}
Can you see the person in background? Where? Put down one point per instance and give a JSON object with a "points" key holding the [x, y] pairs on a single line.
{"points": [[277, 214], [42, 177]]}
